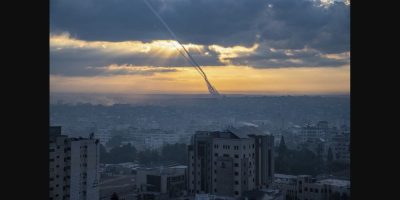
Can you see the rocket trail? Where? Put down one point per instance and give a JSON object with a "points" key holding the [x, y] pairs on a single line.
{"points": [[211, 89]]}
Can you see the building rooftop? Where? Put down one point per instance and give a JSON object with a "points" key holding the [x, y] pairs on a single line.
{"points": [[245, 131], [232, 133], [287, 176], [335, 182]]}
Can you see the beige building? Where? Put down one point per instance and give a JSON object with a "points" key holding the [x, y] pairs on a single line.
{"points": [[228, 164], [73, 167]]}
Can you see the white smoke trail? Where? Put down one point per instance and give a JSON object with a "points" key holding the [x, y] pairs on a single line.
{"points": [[188, 57]]}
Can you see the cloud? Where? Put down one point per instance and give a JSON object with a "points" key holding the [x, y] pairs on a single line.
{"points": [[130, 70], [284, 24], [267, 57], [75, 57]]}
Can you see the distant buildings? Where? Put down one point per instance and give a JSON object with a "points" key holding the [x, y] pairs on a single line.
{"points": [[103, 135], [340, 145], [161, 183], [319, 138], [315, 132], [151, 139], [73, 167], [230, 163], [304, 187]]}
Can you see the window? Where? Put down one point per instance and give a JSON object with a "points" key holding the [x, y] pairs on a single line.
{"points": [[305, 189], [244, 147], [236, 193], [311, 190], [215, 171], [216, 154], [316, 190], [236, 156], [236, 182], [236, 164], [215, 190], [236, 173], [215, 180]]}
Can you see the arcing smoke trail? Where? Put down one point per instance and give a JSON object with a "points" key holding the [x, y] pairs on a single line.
{"points": [[213, 91]]}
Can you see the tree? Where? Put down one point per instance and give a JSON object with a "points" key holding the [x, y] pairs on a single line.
{"points": [[148, 156], [174, 152], [114, 196], [336, 196], [126, 153], [104, 155], [330, 155], [282, 147], [115, 141]]}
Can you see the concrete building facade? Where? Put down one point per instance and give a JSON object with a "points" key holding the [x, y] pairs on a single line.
{"points": [[161, 183], [228, 164], [73, 167]]}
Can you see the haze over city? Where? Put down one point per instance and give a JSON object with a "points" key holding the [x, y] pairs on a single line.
{"points": [[199, 100]]}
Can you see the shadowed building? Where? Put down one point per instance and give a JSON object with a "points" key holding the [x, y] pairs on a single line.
{"points": [[229, 163], [73, 166]]}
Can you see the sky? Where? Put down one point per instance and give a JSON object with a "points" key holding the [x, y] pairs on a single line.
{"points": [[244, 46]]}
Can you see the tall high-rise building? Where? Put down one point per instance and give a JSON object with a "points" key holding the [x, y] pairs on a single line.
{"points": [[73, 167], [229, 163]]}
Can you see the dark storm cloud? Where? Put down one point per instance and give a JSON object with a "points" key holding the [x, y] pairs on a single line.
{"points": [[294, 24], [276, 58], [284, 23]]}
